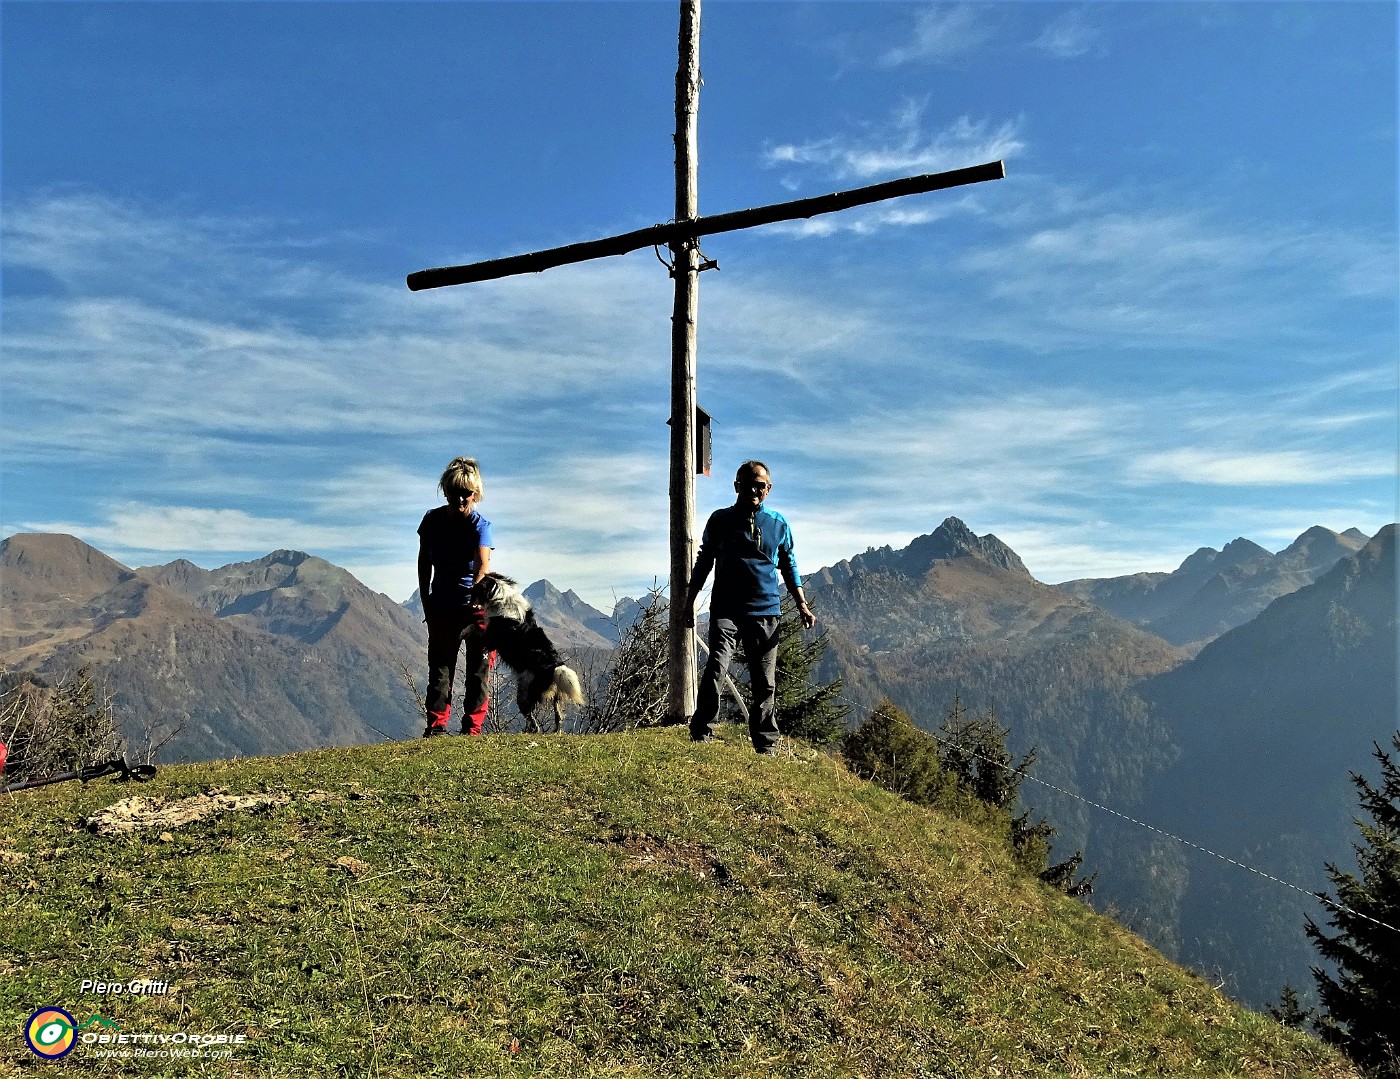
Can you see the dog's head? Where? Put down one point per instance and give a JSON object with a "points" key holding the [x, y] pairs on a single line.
{"points": [[500, 597]]}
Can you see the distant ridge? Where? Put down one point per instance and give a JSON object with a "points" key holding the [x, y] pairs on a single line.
{"points": [[1069, 678], [1215, 591], [569, 618]]}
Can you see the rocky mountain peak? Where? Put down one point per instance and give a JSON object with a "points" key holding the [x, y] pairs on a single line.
{"points": [[950, 540], [542, 592], [1199, 562], [1240, 550], [1318, 549], [953, 539], [283, 557]]}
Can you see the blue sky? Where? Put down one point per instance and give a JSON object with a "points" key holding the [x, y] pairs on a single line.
{"points": [[1174, 323]]}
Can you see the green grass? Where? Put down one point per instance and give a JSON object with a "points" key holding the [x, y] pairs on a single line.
{"points": [[626, 905]]}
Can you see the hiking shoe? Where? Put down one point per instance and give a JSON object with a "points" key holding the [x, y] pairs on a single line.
{"points": [[433, 732]]}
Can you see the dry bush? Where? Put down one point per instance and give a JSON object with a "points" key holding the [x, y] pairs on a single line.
{"points": [[631, 692], [59, 728]]}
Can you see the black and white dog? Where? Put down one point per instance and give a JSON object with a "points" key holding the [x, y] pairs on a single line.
{"points": [[521, 642]]}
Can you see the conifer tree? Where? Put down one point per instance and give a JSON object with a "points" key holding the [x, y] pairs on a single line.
{"points": [[975, 750], [965, 770], [890, 750], [1361, 1004], [805, 709]]}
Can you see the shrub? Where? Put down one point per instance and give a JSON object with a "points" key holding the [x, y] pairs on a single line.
{"points": [[54, 729], [890, 750], [633, 691]]}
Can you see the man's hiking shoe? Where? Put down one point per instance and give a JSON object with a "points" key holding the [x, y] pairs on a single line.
{"points": [[433, 732]]}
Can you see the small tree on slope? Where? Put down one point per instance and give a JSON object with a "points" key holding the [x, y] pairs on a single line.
{"points": [[1361, 1004]]}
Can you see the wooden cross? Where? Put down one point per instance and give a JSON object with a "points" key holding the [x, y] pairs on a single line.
{"points": [[682, 236]]}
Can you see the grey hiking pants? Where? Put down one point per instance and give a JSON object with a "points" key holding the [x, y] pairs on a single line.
{"points": [[759, 636]]}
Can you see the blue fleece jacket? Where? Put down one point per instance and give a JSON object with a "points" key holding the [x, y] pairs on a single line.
{"points": [[746, 570]]}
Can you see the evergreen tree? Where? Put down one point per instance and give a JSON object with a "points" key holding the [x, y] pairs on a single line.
{"points": [[975, 750], [1361, 1004], [964, 770], [1290, 1011], [890, 750], [815, 713]]}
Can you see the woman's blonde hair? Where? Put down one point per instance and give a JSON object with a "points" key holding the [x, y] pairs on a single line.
{"points": [[462, 477]]}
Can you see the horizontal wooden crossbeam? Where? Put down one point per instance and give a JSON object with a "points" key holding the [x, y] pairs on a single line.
{"points": [[677, 231]]}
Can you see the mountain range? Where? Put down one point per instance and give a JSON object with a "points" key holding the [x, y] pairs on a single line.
{"points": [[1238, 734], [1214, 591], [280, 654], [1241, 673], [1269, 721]]}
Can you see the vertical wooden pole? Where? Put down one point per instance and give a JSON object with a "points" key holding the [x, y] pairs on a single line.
{"points": [[681, 644]]}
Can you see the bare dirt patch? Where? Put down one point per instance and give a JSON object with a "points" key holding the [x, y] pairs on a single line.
{"points": [[649, 852]]}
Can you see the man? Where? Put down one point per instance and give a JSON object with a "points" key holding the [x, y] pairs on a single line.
{"points": [[748, 545], [454, 551]]}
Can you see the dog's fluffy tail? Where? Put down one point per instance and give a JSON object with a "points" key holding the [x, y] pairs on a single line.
{"points": [[566, 688]]}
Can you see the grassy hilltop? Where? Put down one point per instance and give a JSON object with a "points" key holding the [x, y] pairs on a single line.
{"points": [[626, 905]]}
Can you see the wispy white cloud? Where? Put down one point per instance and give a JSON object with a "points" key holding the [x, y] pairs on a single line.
{"points": [[1071, 35], [941, 33], [1164, 277], [1079, 484], [345, 406], [900, 145], [867, 221], [1272, 468], [127, 527]]}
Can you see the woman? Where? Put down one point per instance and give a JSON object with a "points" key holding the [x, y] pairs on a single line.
{"points": [[454, 552]]}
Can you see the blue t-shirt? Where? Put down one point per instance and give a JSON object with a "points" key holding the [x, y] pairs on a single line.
{"points": [[746, 566], [452, 542]]}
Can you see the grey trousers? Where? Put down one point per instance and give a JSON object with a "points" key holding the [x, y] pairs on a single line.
{"points": [[759, 636]]}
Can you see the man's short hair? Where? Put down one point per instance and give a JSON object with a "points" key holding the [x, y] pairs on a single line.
{"points": [[462, 477], [750, 468]]}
